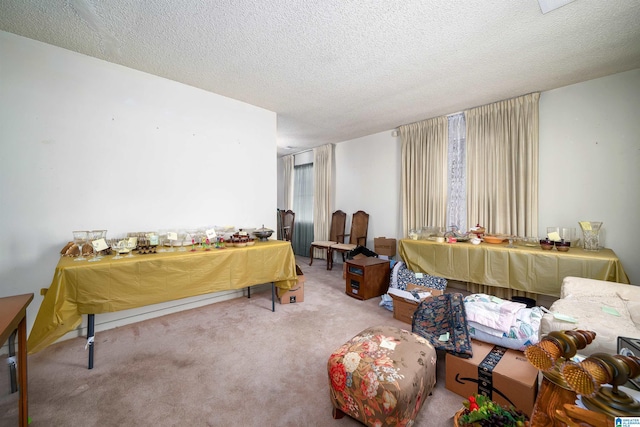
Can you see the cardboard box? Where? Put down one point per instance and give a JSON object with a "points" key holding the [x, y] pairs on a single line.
{"points": [[300, 274], [403, 308], [502, 374], [295, 294], [384, 246]]}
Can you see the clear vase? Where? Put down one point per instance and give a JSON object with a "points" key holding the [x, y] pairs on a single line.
{"points": [[590, 235]]}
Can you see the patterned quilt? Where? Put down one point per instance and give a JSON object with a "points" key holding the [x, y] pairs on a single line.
{"points": [[401, 276]]}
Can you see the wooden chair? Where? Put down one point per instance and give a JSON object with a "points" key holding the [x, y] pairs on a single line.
{"points": [[357, 236], [287, 220], [338, 223]]}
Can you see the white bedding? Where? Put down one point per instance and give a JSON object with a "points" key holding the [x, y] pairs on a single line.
{"points": [[502, 322]]}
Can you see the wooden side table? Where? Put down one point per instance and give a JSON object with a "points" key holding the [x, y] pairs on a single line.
{"points": [[13, 315], [367, 277]]}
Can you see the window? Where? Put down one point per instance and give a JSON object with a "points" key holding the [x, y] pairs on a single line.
{"points": [[303, 207], [456, 171]]}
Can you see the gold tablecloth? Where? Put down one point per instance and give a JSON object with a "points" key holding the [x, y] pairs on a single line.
{"points": [[110, 285], [528, 269]]}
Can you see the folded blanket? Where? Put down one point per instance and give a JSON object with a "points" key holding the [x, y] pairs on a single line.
{"points": [[493, 312], [525, 332]]}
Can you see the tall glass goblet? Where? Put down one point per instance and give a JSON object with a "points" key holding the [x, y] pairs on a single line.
{"points": [[95, 236], [131, 244], [181, 236], [116, 245], [162, 237], [172, 236], [103, 235], [80, 239]]}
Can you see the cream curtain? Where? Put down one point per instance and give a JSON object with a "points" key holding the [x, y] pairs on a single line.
{"points": [[323, 164], [502, 166], [289, 164], [424, 173]]}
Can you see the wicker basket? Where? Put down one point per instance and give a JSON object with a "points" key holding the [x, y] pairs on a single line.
{"points": [[456, 418]]}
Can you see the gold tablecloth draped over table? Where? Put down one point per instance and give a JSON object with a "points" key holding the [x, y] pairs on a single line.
{"points": [[527, 269], [110, 285]]}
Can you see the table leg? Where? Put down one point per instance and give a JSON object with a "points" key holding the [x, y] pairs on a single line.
{"points": [[12, 361], [273, 295], [23, 409], [90, 337]]}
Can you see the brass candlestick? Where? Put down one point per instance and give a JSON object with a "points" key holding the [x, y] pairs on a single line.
{"points": [[587, 377]]}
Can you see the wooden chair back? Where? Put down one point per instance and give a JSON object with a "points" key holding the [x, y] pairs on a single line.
{"points": [[338, 224], [359, 228], [288, 222]]}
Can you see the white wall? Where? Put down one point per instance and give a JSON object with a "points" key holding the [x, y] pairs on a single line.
{"points": [[589, 166], [85, 144], [590, 161], [368, 179]]}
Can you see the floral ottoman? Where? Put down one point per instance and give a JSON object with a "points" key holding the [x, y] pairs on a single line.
{"points": [[382, 376]]}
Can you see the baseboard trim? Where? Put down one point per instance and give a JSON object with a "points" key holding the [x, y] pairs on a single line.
{"points": [[104, 322]]}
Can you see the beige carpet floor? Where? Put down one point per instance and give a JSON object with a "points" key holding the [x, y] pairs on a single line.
{"points": [[232, 363]]}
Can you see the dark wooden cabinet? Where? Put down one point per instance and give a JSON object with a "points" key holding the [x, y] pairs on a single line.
{"points": [[367, 277]]}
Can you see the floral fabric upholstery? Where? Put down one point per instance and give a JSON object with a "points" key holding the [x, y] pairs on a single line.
{"points": [[437, 316], [382, 376]]}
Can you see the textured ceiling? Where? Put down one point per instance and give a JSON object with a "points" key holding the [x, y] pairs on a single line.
{"points": [[335, 70]]}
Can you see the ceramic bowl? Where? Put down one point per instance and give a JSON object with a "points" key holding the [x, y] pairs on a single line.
{"points": [[263, 233], [545, 244], [563, 246], [493, 239]]}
